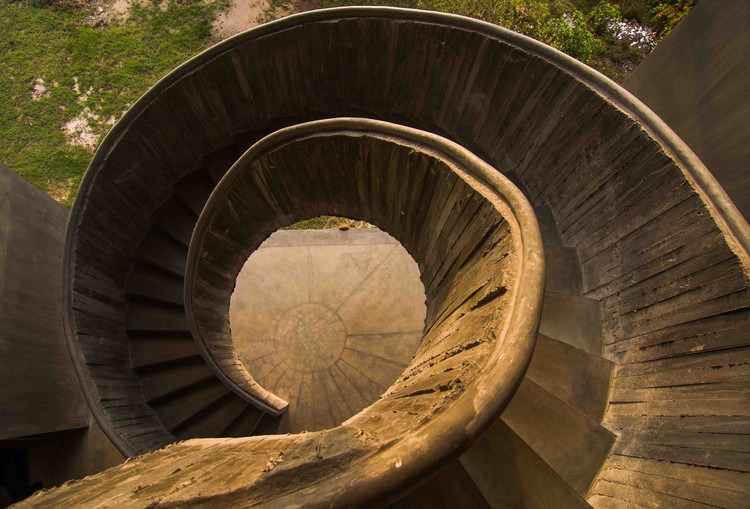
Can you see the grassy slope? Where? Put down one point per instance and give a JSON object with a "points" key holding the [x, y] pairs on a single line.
{"points": [[109, 63]]}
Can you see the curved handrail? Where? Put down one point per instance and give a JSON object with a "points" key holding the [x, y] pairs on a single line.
{"points": [[235, 375]]}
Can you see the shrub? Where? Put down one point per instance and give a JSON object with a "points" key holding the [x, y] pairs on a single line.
{"points": [[665, 15], [602, 16], [572, 35]]}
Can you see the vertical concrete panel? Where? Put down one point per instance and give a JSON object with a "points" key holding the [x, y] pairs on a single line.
{"points": [[697, 81], [39, 390]]}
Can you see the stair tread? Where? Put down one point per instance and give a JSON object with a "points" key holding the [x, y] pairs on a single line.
{"points": [[244, 424], [268, 424], [547, 226], [173, 412], [154, 350], [572, 444], [194, 191], [160, 250], [150, 282], [150, 316], [577, 377], [563, 274], [451, 487], [176, 220], [220, 161], [573, 320], [213, 419], [510, 474], [162, 383]]}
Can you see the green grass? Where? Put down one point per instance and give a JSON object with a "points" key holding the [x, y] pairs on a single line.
{"points": [[110, 63], [326, 222]]}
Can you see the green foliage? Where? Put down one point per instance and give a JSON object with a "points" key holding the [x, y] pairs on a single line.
{"points": [[529, 17], [666, 14], [555, 22], [601, 17], [574, 37], [86, 67], [327, 222]]}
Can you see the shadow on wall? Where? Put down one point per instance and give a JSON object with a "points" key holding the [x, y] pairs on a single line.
{"points": [[28, 464]]}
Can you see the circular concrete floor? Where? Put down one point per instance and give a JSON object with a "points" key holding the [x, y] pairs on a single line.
{"points": [[327, 320]]}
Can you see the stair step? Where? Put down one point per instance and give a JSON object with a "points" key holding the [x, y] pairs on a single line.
{"points": [[244, 425], [154, 316], [214, 418], [451, 487], [177, 220], [174, 412], [162, 383], [563, 274], [153, 350], [510, 474], [572, 320], [269, 425], [573, 445], [194, 191], [164, 252], [547, 226], [576, 377], [153, 283]]}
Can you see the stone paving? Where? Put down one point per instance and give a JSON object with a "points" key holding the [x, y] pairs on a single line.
{"points": [[327, 319]]}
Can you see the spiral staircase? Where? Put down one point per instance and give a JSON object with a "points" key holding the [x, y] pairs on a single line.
{"points": [[636, 392]]}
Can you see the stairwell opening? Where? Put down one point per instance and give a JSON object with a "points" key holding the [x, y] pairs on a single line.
{"points": [[461, 227], [326, 314]]}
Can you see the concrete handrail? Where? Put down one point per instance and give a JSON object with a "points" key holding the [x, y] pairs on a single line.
{"points": [[212, 267]]}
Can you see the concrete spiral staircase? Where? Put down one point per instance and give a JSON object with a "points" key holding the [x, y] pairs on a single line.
{"points": [[636, 393]]}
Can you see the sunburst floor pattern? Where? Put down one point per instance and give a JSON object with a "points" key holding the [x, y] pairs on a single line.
{"points": [[327, 319]]}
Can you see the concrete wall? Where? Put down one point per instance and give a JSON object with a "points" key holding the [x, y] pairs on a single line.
{"points": [[698, 80], [39, 391]]}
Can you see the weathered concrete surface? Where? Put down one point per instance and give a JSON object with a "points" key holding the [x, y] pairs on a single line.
{"points": [[311, 306], [667, 264], [39, 391], [697, 81]]}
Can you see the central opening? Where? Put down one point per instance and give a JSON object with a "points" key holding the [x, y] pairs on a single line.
{"points": [[326, 314]]}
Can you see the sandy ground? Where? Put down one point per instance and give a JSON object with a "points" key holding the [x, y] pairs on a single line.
{"points": [[241, 16]]}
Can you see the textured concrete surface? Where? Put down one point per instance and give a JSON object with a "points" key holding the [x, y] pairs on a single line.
{"points": [[327, 319], [39, 391], [697, 81], [653, 250]]}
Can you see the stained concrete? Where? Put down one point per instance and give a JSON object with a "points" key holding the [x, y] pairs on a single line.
{"points": [[327, 319]]}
